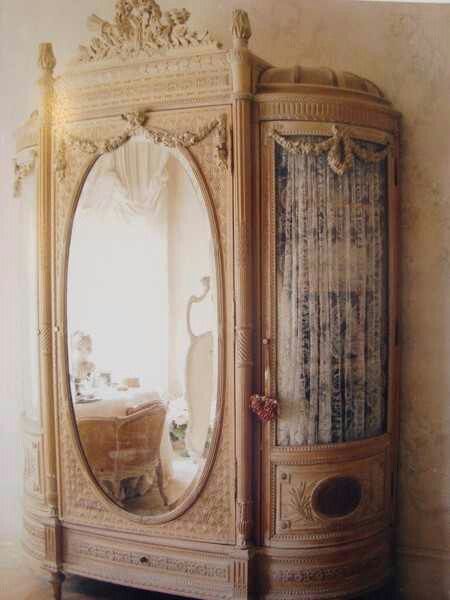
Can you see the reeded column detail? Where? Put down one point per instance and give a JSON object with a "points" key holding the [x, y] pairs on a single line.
{"points": [[47, 64], [240, 61]]}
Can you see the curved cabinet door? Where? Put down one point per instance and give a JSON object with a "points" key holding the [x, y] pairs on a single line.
{"points": [[328, 326]]}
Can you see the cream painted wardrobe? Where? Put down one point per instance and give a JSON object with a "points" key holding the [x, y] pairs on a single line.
{"points": [[213, 319]]}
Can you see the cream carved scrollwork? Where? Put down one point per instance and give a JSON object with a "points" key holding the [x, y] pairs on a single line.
{"points": [[22, 170], [141, 29], [341, 149], [136, 125]]}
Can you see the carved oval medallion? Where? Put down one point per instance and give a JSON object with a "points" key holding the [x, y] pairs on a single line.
{"points": [[337, 497], [143, 327]]}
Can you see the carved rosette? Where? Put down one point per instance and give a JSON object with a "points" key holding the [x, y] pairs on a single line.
{"points": [[140, 29]]}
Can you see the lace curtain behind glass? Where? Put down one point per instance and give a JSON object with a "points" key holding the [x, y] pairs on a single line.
{"points": [[331, 299]]}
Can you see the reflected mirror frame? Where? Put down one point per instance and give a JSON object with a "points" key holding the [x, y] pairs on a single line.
{"points": [[188, 498]]}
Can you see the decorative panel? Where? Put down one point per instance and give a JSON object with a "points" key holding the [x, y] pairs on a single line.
{"points": [[356, 487], [33, 465]]}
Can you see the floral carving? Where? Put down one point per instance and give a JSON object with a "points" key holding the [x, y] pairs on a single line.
{"points": [[136, 125], [22, 170], [341, 149], [140, 29]]}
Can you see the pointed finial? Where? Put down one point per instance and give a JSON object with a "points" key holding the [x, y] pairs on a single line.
{"points": [[47, 60], [242, 30]]}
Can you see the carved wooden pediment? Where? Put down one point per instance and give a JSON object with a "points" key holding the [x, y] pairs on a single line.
{"points": [[141, 29]]}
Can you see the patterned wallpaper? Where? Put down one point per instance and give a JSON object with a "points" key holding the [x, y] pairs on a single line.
{"points": [[405, 49]]}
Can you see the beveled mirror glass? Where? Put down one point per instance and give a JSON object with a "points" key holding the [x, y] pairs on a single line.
{"points": [[143, 326]]}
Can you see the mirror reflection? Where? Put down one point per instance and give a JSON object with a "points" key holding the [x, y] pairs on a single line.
{"points": [[142, 326]]}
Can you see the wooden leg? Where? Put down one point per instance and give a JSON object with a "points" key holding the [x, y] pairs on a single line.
{"points": [[57, 580], [159, 476]]}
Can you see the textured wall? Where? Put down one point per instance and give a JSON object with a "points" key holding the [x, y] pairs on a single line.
{"points": [[404, 49]]}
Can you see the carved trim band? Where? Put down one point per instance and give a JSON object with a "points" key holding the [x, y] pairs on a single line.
{"points": [[341, 149]]}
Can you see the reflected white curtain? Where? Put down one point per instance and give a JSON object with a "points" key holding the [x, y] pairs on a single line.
{"points": [[118, 264], [331, 295], [129, 183]]}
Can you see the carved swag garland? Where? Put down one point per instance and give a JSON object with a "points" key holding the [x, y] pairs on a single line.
{"points": [[136, 125], [341, 149]]}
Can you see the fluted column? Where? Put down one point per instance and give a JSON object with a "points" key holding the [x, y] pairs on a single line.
{"points": [[47, 64], [240, 60]]}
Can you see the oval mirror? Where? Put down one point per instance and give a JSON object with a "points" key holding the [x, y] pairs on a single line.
{"points": [[142, 327]]}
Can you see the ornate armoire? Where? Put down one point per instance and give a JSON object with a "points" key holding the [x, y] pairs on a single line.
{"points": [[213, 400]]}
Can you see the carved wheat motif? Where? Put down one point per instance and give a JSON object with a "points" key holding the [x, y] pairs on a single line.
{"points": [[300, 502]]}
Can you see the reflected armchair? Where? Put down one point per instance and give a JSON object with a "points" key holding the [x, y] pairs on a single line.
{"points": [[124, 451]]}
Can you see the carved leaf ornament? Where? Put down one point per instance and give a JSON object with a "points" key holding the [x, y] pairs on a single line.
{"points": [[136, 125], [341, 149], [140, 29], [22, 170]]}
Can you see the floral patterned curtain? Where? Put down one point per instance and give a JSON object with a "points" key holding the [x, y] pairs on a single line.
{"points": [[331, 237]]}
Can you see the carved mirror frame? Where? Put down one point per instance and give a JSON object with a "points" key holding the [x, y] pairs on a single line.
{"points": [[182, 153]]}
